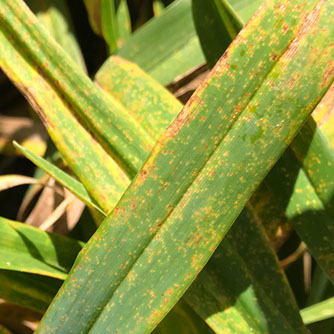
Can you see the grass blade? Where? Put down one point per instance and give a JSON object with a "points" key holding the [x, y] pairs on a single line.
{"points": [[56, 18], [25, 248], [212, 292], [320, 311], [63, 178], [32, 291], [106, 119], [109, 24], [99, 173], [217, 25], [148, 227], [153, 107], [310, 148], [166, 46], [236, 292]]}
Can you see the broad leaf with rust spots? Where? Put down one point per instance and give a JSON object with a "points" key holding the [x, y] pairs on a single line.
{"points": [[193, 186], [314, 185], [214, 290]]}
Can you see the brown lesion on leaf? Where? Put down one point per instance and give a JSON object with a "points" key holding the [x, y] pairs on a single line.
{"points": [[309, 23], [328, 75]]}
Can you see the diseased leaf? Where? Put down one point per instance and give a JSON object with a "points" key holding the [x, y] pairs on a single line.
{"points": [[151, 105], [242, 288], [159, 223], [309, 146], [324, 116], [212, 293], [55, 16], [99, 173], [55, 77]]}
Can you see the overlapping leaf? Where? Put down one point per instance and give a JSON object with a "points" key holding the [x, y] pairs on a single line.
{"points": [[311, 149], [166, 46], [25, 248], [261, 142], [53, 77]]}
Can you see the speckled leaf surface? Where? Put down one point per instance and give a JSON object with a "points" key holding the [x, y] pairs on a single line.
{"points": [[28, 249], [207, 296], [244, 129], [99, 173], [166, 46], [242, 288], [314, 154], [150, 104], [55, 16], [105, 118]]}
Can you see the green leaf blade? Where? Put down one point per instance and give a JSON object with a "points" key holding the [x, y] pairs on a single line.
{"points": [[51, 63], [153, 232], [153, 107], [167, 46], [25, 248], [66, 180], [318, 312]]}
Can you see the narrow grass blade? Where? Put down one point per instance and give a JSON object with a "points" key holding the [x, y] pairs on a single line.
{"points": [[245, 8], [166, 46], [159, 224], [293, 191], [29, 290], [320, 311], [153, 107], [109, 24], [123, 22], [110, 19], [25, 248], [22, 37], [63, 178]]}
